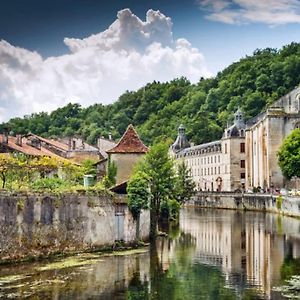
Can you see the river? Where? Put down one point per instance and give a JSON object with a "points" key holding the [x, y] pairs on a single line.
{"points": [[211, 254]]}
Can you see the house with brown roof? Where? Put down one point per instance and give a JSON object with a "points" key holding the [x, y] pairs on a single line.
{"points": [[20, 144], [73, 148], [127, 153]]}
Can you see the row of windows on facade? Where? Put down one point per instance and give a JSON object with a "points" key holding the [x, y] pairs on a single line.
{"points": [[210, 171], [199, 152]]}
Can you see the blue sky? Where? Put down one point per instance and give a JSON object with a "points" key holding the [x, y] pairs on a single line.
{"points": [[41, 70]]}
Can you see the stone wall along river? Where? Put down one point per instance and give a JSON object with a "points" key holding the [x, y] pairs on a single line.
{"points": [[34, 225]]}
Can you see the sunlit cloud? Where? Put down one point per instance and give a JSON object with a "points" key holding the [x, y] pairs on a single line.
{"points": [[98, 68]]}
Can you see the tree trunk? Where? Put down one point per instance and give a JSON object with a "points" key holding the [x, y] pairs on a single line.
{"points": [[153, 223]]}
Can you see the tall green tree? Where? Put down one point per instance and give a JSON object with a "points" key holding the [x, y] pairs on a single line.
{"points": [[159, 168], [138, 195], [184, 184], [289, 155]]}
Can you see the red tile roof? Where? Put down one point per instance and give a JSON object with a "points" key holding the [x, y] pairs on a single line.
{"points": [[26, 148], [130, 142]]}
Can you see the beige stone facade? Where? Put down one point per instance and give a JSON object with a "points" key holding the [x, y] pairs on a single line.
{"points": [[219, 165], [126, 154], [264, 136], [125, 163]]}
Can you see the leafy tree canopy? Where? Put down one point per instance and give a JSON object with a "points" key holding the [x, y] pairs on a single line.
{"points": [[289, 155]]}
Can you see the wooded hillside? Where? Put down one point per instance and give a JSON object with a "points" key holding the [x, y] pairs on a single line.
{"points": [[158, 108]]}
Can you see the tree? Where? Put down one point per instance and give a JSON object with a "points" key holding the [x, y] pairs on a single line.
{"points": [[138, 195], [289, 155], [159, 168], [184, 184], [109, 179]]}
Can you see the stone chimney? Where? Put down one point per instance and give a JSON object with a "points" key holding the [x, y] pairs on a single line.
{"points": [[110, 136], [19, 140], [5, 136]]}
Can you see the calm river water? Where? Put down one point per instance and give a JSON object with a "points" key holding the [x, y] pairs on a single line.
{"points": [[211, 254]]}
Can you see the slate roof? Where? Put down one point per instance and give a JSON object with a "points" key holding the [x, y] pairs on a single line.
{"points": [[61, 146], [130, 142]]}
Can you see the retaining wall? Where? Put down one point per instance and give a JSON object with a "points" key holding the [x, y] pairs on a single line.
{"points": [[34, 225], [258, 202]]}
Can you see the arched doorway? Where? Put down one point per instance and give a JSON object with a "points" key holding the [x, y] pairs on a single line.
{"points": [[219, 184]]}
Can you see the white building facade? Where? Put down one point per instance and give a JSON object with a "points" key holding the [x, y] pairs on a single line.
{"points": [[218, 165]]}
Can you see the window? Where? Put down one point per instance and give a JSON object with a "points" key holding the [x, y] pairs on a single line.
{"points": [[243, 163], [243, 176], [215, 159], [225, 148], [242, 146], [207, 171], [219, 170]]}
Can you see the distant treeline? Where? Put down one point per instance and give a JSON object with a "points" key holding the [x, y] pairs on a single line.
{"points": [[158, 108]]}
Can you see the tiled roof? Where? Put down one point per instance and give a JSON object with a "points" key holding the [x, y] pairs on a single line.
{"points": [[26, 148], [130, 142], [61, 146]]}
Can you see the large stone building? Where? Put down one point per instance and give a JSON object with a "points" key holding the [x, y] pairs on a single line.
{"points": [[218, 165], [264, 135], [129, 150]]}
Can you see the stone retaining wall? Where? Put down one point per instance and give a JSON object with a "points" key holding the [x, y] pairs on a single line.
{"points": [[34, 225], [261, 202]]}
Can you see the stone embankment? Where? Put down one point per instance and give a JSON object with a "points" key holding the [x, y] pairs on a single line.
{"points": [[286, 205], [33, 225]]}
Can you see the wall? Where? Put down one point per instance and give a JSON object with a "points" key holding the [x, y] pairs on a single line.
{"points": [[125, 163], [260, 202], [33, 225]]}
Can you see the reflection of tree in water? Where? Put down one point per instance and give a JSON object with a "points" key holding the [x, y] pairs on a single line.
{"points": [[290, 267], [184, 278], [137, 289]]}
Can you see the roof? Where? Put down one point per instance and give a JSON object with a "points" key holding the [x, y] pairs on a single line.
{"points": [[130, 142], [54, 143], [120, 188], [25, 148]]}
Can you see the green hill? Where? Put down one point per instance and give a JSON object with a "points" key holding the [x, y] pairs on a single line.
{"points": [[158, 108]]}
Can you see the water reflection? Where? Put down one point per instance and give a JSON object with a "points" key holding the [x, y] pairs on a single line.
{"points": [[208, 255]]}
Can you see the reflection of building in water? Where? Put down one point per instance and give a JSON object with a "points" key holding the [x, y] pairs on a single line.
{"points": [[246, 247]]}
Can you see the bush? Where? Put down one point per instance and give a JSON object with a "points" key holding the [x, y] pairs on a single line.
{"points": [[49, 184]]}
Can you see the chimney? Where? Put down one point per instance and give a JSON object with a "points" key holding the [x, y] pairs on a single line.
{"points": [[5, 136], [110, 136], [70, 144], [19, 140]]}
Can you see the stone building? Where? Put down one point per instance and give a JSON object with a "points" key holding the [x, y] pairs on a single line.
{"points": [[218, 165], [264, 135], [129, 150]]}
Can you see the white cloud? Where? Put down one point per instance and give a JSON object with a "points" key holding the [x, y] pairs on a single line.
{"points": [[271, 12], [130, 53]]}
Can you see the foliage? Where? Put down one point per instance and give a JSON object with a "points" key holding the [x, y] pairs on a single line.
{"points": [[50, 184], [160, 170], [138, 193], [289, 155], [109, 179], [184, 184], [158, 108], [19, 171], [279, 202], [170, 209], [89, 167]]}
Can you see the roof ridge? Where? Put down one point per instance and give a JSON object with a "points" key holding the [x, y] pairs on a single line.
{"points": [[130, 142]]}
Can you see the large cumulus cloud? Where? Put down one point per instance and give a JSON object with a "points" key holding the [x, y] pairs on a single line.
{"points": [[130, 53]]}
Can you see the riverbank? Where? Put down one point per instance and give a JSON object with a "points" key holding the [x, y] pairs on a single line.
{"points": [[35, 226], [285, 205]]}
